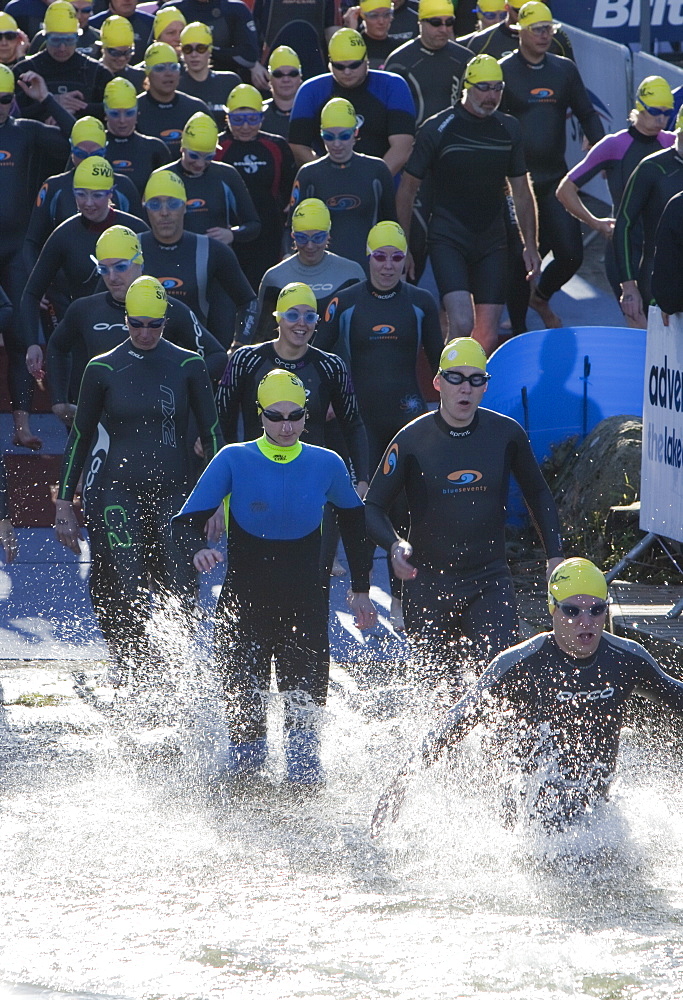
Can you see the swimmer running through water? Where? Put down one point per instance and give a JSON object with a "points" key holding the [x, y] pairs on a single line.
{"points": [[567, 690]]}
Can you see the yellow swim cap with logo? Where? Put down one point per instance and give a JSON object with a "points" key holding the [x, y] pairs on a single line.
{"points": [[120, 95], [159, 53], [88, 129], [146, 297], [435, 8], [196, 33], [119, 243], [463, 351], [346, 45], [60, 18], [200, 133], [279, 386], [296, 293], [338, 113], [245, 96], [164, 184], [7, 82], [311, 214], [117, 32], [169, 15], [386, 234], [654, 92], [534, 12], [283, 56], [482, 69], [573, 577], [94, 174]]}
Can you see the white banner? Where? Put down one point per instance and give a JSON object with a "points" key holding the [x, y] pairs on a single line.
{"points": [[605, 69], [646, 65], [661, 486]]}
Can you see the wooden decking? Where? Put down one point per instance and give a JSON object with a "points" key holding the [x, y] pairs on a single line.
{"points": [[638, 611]]}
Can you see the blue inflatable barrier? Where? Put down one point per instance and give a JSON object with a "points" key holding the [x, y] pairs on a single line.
{"points": [[561, 383]]}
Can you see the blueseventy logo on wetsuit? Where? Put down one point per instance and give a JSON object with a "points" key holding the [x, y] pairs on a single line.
{"points": [[343, 203], [390, 460], [332, 306], [463, 482]]}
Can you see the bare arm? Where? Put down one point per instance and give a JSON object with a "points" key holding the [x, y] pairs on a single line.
{"points": [[568, 194], [400, 148], [302, 154], [527, 216]]}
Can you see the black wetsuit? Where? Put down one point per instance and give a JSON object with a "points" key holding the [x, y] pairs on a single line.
{"points": [[540, 95], [79, 72], [235, 41], [167, 119], [327, 382], [272, 603], [213, 91], [563, 721], [433, 75], [96, 324], [331, 275], [268, 170], [667, 272], [218, 197], [136, 156], [655, 180], [358, 194], [275, 120], [55, 203], [469, 160], [144, 398], [456, 482], [205, 275]]}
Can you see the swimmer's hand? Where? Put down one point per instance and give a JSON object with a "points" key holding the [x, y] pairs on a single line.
{"points": [[206, 559]]}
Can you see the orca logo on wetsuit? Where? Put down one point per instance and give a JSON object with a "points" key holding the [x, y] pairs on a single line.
{"points": [[464, 478], [343, 202], [390, 460], [331, 309], [594, 695], [171, 283], [171, 133], [194, 203]]}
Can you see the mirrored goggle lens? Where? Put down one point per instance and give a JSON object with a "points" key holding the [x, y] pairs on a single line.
{"points": [[156, 204], [334, 136], [301, 239], [276, 417], [294, 316], [381, 257]]}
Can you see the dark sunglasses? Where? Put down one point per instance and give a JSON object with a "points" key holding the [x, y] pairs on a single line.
{"points": [[382, 257], [6, 98], [440, 22], [572, 611], [199, 47], [280, 418], [154, 324], [9, 36], [457, 378], [341, 136], [354, 64], [279, 73]]}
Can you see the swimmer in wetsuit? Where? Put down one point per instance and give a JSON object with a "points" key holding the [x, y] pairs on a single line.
{"points": [[563, 694], [272, 603], [143, 392], [454, 466]]}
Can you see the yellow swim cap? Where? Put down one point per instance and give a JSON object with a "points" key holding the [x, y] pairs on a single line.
{"points": [[60, 18], [164, 184], [435, 8], [94, 174], [462, 351], [368, 5], [119, 94], [386, 234], [311, 214], [159, 52], [573, 577], [196, 33], [296, 293], [245, 96], [117, 32], [169, 15], [346, 44], [482, 69], [7, 82], [200, 133], [338, 113], [118, 243], [534, 12], [279, 386], [283, 56], [654, 92], [88, 129], [146, 297], [7, 22], [491, 6]]}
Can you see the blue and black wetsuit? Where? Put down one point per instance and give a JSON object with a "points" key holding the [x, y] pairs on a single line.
{"points": [[563, 720], [272, 603]]}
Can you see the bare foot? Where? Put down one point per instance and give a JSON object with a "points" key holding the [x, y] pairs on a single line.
{"points": [[396, 615], [25, 439], [542, 307]]}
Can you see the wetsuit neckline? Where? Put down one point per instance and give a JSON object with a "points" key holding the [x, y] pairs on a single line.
{"points": [[577, 662], [376, 293], [276, 453], [530, 65], [456, 432], [639, 137], [114, 303], [99, 227], [290, 364]]}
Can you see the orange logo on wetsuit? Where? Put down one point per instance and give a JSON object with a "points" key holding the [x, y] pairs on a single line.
{"points": [[6, 158], [390, 460], [171, 284], [331, 309], [463, 481], [542, 94]]}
